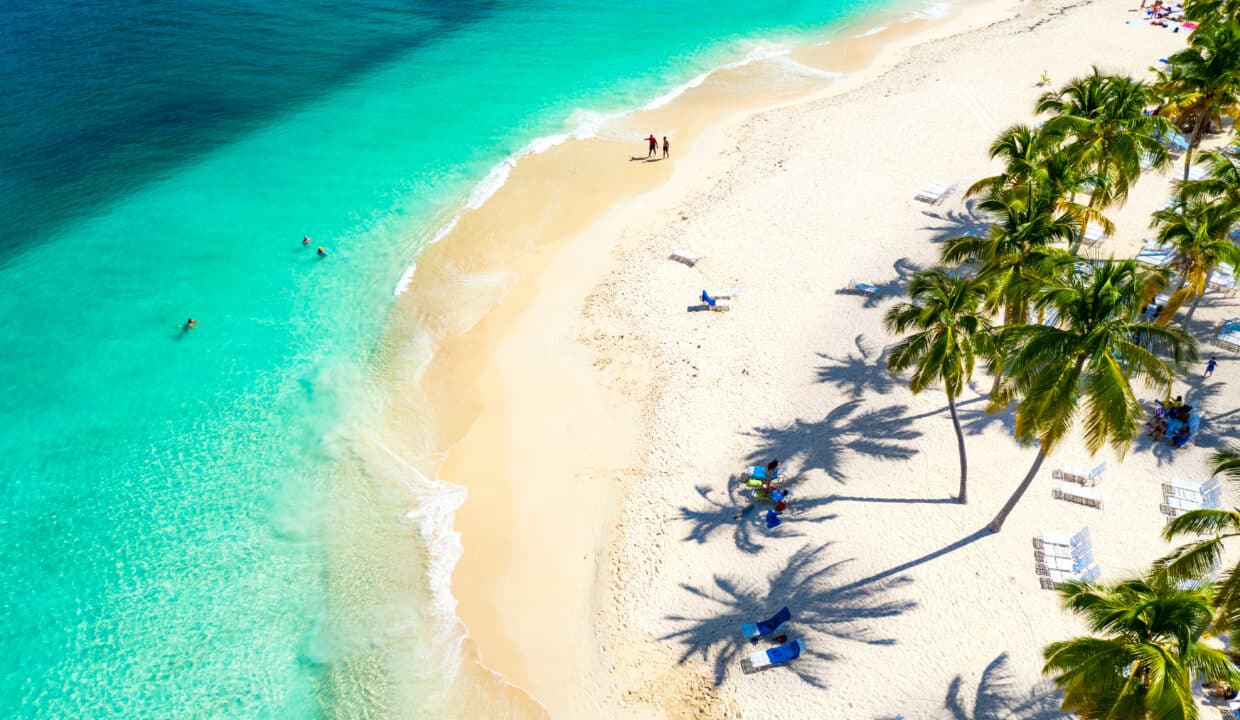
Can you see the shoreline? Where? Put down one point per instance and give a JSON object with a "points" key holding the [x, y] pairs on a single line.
{"points": [[457, 370], [522, 353]]}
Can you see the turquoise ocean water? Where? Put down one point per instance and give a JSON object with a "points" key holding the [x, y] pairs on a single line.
{"points": [[170, 543]]}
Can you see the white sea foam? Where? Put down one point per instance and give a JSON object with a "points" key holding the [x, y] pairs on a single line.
{"points": [[801, 68], [933, 10], [403, 283], [434, 507], [873, 31], [586, 124], [761, 51]]}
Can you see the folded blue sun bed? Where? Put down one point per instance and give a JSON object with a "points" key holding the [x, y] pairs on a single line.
{"points": [[768, 626]]}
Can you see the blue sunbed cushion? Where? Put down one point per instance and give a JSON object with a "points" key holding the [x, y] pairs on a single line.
{"points": [[708, 299], [774, 622], [787, 651]]}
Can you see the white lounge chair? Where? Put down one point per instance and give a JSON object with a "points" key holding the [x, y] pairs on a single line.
{"points": [[1229, 334], [1224, 277], [1079, 494], [1094, 234], [1197, 172], [1078, 475], [1056, 578], [934, 192], [685, 258], [729, 294], [1155, 255]]}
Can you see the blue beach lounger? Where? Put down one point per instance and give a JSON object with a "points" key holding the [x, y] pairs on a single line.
{"points": [[777, 655], [715, 303], [856, 287], [766, 627]]}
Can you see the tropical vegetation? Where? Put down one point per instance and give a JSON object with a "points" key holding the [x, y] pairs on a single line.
{"points": [[952, 331], [1068, 338], [1146, 648]]}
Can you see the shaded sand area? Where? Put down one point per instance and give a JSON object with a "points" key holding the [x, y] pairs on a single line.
{"points": [[600, 429]]}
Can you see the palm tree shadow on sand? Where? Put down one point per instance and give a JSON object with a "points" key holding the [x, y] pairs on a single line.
{"points": [[821, 614], [885, 433], [747, 519], [956, 223], [856, 373], [1000, 697], [895, 287]]}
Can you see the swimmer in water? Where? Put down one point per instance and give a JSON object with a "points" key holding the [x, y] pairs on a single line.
{"points": [[189, 325], [322, 252], [305, 240]]}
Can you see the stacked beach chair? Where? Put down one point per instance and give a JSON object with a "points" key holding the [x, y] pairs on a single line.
{"points": [[1059, 558], [1077, 486], [1229, 334], [1155, 255], [1180, 496], [934, 193], [1095, 234], [1223, 277]]}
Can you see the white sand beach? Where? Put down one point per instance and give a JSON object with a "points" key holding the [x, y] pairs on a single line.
{"points": [[601, 429]]}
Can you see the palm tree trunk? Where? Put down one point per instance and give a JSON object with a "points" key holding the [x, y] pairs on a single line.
{"points": [[997, 524], [1192, 308], [1007, 320], [1075, 245], [1196, 137], [963, 495]]}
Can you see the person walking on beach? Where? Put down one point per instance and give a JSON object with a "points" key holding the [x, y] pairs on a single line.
{"points": [[667, 148], [1210, 366], [654, 146]]}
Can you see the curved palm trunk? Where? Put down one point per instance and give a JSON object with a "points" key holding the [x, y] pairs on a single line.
{"points": [[1075, 245], [1008, 316], [1196, 137], [963, 495], [997, 524], [1192, 308]]}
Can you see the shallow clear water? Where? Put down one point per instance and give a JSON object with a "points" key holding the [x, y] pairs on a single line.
{"points": [[171, 544]]}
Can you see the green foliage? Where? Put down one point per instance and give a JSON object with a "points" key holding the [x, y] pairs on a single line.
{"points": [[1144, 652], [1084, 362], [1199, 559]]}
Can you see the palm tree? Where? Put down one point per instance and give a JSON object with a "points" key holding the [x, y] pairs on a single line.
{"points": [[1204, 80], [1222, 180], [1198, 233], [1198, 559], [1025, 225], [951, 331], [1104, 116], [1086, 361], [1034, 160], [1145, 652], [1210, 11]]}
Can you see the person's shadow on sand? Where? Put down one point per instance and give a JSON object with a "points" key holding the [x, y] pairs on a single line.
{"points": [[638, 158]]}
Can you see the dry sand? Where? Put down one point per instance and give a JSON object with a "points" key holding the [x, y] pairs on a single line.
{"points": [[600, 428]]}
